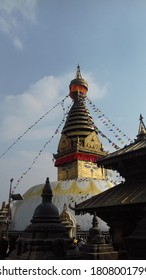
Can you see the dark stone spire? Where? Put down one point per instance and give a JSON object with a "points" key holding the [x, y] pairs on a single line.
{"points": [[46, 237], [96, 248], [46, 217], [47, 192]]}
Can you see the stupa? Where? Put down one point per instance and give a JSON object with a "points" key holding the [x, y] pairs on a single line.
{"points": [[79, 177]]}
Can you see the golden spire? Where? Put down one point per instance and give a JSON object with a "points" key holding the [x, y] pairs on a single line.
{"points": [[78, 73], [79, 143]]}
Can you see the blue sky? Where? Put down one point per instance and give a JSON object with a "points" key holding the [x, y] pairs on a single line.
{"points": [[41, 43]]}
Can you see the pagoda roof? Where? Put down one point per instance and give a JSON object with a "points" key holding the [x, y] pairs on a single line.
{"points": [[138, 147], [79, 121], [128, 193]]}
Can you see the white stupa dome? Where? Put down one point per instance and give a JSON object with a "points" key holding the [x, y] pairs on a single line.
{"points": [[64, 192]]}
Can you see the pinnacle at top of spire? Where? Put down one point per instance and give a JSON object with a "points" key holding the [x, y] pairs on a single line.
{"points": [[142, 129], [78, 73], [78, 86]]}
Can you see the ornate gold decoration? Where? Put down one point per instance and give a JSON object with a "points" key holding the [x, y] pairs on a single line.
{"points": [[92, 142], [64, 144]]}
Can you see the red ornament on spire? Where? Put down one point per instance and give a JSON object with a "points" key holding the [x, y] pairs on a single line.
{"points": [[78, 86]]}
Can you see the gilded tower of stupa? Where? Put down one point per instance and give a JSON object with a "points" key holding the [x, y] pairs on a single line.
{"points": [[79, 147]]}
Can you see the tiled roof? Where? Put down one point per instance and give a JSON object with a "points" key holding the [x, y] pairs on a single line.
{"points": [[122, 194], [136, 148], [131, 150]]}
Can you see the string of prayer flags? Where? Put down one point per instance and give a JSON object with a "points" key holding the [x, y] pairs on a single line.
{"points": [[111, 142], [40, 152], [45, 145], [118, 134], [30, 127]]}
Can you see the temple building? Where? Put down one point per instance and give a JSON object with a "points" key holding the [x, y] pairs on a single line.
{"points": [[123, 207], [79, 177]]}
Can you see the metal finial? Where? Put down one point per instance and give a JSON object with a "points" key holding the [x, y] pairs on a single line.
{"points": [[78, 73], [142, 128], [141, 117]]}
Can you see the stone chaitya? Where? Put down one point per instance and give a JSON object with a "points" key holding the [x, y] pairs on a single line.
{"points": [[45, 237]]}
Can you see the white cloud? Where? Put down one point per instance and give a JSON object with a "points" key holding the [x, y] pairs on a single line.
{"points": [[18, 112], [24, 108], [96, 90], [14, 11], [18, 43], [26, 8]]}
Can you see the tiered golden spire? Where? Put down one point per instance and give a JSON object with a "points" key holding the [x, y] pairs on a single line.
{"points": [[79, 146]]}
